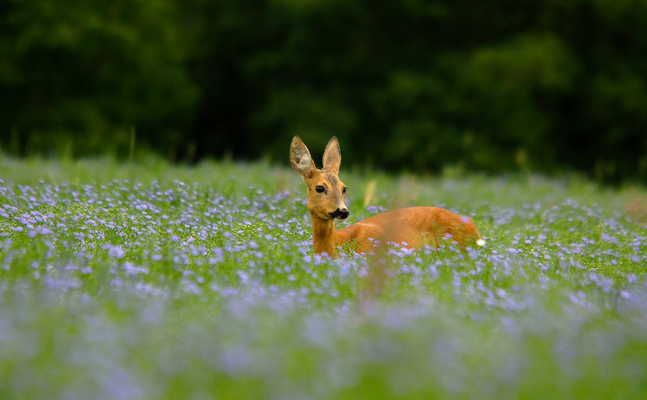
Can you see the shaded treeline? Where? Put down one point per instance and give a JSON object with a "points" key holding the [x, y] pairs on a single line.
{"points": [[493, 86]]}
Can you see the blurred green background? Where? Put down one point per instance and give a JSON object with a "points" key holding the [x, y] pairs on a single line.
{"points": [[499, 85]]}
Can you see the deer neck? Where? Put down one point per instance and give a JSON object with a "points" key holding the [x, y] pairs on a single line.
{"points": [[324, 235]]}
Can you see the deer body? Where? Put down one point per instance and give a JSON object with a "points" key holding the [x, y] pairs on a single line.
{"points": [[410, 227]]}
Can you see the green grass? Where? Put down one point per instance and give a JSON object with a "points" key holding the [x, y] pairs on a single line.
{"points": [[145, 281]]}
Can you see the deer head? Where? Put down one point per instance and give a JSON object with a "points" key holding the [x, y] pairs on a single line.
{"points": [[326, 193]]}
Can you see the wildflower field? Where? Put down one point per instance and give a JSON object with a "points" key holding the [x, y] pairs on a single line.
{"points": [[151, 281]]}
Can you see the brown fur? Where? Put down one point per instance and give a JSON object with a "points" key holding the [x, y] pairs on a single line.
{"points": [[411, 227]]}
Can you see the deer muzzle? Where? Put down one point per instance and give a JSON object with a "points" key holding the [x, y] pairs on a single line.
{"points": [[340, 213]]}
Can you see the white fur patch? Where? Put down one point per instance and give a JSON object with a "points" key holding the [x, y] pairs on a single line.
{"points": [[304, 162]]}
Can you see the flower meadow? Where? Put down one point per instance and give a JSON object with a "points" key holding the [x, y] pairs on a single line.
{"points": [[144, 280]]}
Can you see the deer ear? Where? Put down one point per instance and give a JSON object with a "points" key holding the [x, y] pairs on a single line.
{"points": [[332, 156], [300, 158]]}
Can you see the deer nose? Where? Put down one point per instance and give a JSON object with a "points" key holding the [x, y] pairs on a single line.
{"points": [[340, 213]]}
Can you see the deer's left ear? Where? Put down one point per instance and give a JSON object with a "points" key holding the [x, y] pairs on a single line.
{"points": [[332, 156]]}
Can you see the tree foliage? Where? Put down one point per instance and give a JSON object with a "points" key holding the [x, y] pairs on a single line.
{"points": [[91, 71], [492, 86]]}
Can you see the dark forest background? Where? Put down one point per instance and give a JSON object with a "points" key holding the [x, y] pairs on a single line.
{"points": [[498, 85]]}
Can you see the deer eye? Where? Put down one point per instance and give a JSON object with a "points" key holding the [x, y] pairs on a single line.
{"points": [[344, 190], [320, 189]]}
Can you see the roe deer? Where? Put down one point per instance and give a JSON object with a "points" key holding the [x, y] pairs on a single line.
{"points": [[411, 227]]}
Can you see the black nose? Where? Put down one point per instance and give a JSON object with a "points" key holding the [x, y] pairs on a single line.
{"points": [[343, 214]]}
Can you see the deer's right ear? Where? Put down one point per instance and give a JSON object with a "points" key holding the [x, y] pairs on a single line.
{"points": [[300, 158]]}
